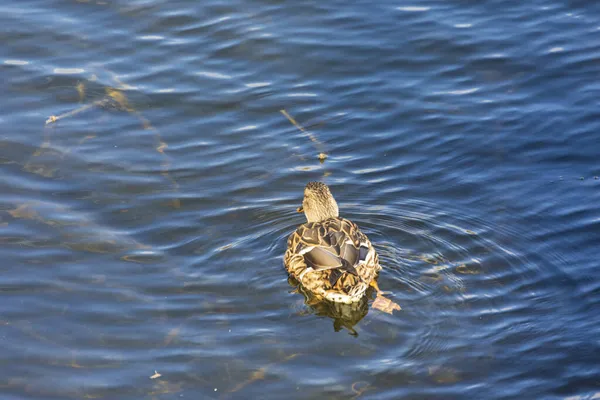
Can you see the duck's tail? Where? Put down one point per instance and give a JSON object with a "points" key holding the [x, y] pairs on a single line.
{"points": [[354, 295]]}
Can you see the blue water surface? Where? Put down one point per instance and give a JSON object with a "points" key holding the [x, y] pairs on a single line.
{"points": [[142, 228]]}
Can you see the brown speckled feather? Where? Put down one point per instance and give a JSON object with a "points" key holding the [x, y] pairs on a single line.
{"points": [[332, 258]]}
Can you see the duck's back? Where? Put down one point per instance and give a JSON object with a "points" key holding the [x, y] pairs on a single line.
{"points": [[331, 255]]}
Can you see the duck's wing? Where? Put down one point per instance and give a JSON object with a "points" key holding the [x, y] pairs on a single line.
{"points": [[335, 244]]}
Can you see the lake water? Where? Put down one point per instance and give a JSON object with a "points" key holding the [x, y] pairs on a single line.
{"points": [[142, 231]]}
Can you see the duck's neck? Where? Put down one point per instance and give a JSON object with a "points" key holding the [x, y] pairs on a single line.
{"points": [[320, 218]]}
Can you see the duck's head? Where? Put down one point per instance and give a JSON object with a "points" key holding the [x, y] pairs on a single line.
{"points": [[318, 204]]}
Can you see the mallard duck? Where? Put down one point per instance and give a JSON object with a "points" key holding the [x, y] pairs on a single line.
{"points": [[329, 255]]}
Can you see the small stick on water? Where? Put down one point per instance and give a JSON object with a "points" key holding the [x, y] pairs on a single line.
{"points": [[118, 96], [319, 145], [260, 373], [292, 120], [156, 375], [54, 118], [111, 93]]}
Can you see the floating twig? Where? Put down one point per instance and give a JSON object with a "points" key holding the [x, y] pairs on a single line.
{"points": [[319, 146], [156, 375], [116, 98], [293, 121], [54, 118], [260, 373]]}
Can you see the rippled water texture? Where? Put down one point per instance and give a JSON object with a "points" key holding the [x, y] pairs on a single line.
{"points": [[142, 229]]}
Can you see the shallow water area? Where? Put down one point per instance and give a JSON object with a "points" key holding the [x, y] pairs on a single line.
{"points": [[142, 229]]}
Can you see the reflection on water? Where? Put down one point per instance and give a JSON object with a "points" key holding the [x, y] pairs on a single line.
{"points": [[142, 226], [343, 315], [77, 231]]}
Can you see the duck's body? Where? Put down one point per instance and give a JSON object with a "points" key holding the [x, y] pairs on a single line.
{"points": [[330, 256], [333, 259]]}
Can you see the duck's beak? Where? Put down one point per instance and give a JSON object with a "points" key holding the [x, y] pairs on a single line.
{"points": [[300, 209]]}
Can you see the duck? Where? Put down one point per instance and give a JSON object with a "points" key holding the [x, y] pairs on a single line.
{"points": [[330, 256]]}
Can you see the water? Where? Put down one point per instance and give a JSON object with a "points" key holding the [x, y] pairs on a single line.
{"points": [[146, 233]]}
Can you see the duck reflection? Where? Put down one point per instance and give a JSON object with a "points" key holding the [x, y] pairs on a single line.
{"points": [[343, 315]]}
